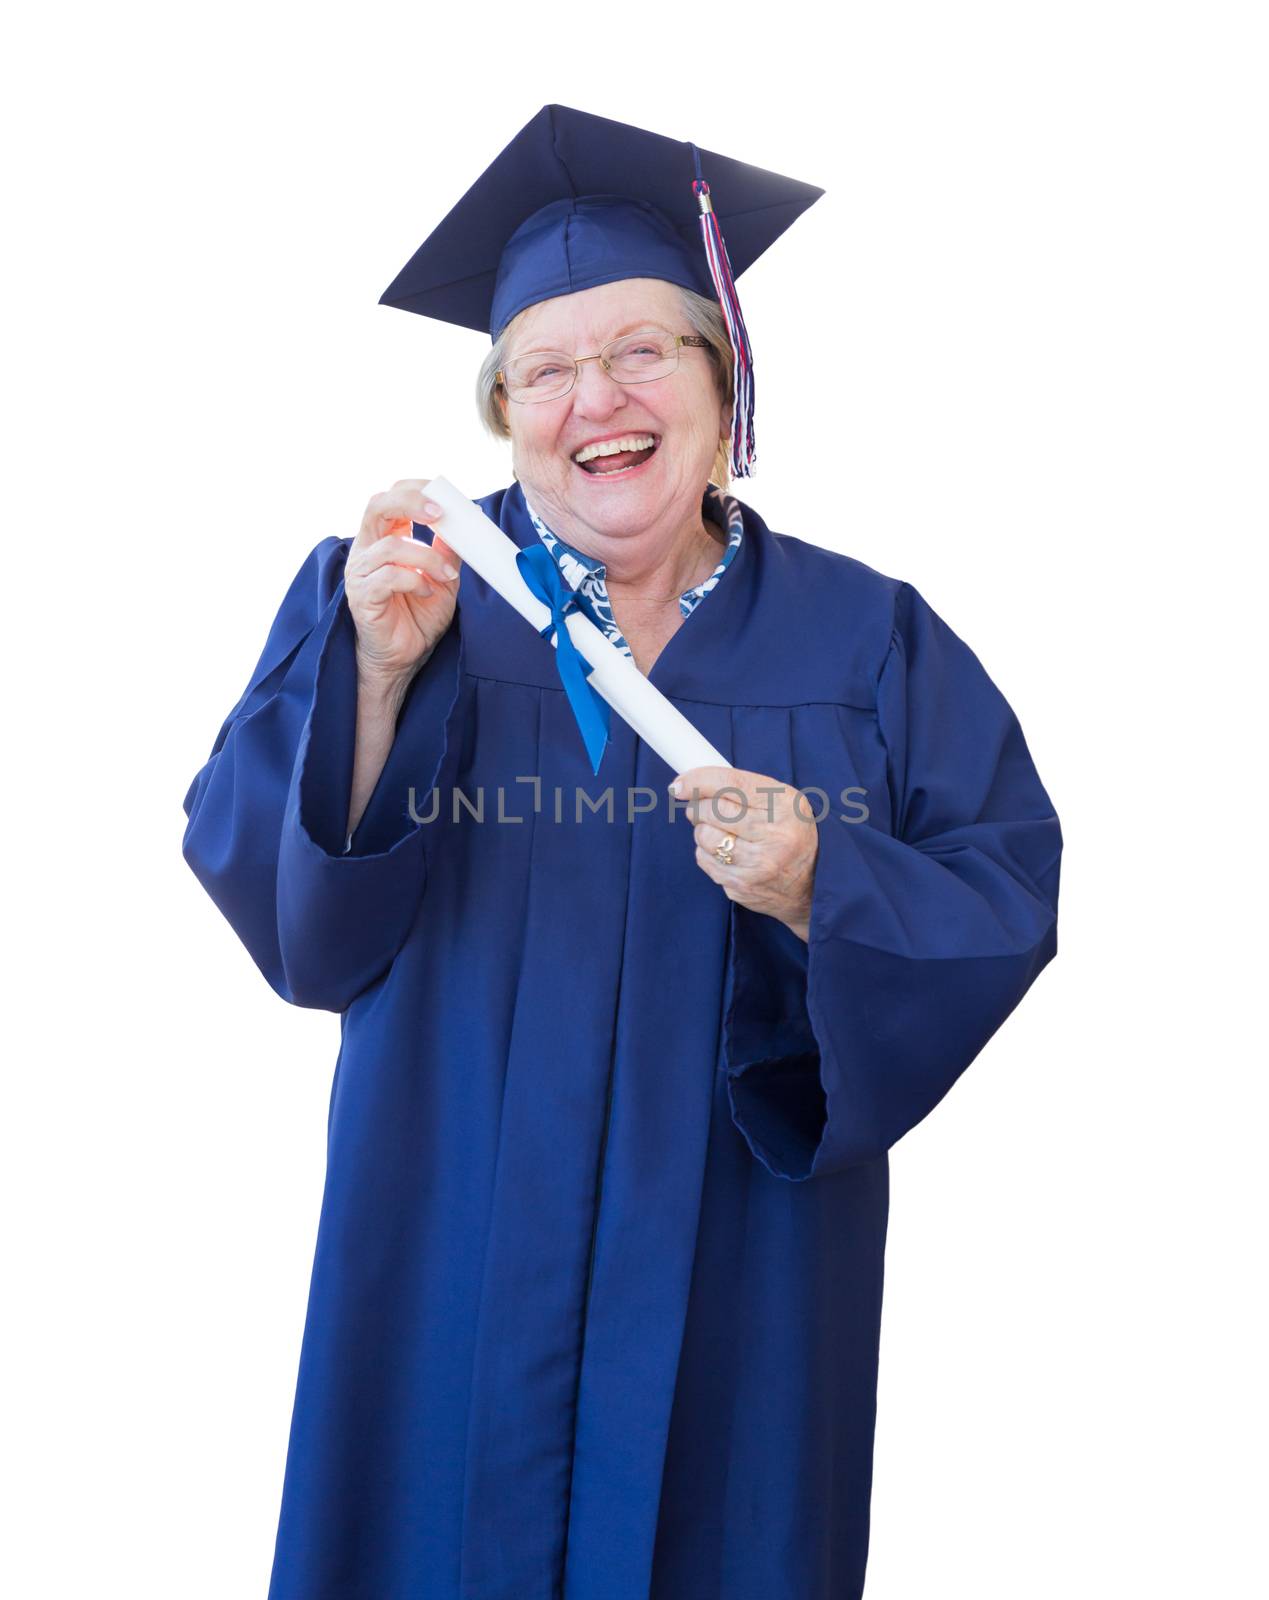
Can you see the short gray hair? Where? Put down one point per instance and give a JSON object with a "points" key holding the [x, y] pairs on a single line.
{"points": [[704, 317]]}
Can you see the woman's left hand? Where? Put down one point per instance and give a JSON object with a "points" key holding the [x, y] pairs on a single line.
{"points": [[773, 866]]}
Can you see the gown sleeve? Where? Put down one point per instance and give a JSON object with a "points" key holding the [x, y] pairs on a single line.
{"points": [[322, 916], [922, 940]]}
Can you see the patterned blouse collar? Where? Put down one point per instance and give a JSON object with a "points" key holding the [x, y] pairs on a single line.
{"points": [[588, 576]]}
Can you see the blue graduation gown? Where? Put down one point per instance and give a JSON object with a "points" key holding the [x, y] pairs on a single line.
{"points": [[597, 1286]]}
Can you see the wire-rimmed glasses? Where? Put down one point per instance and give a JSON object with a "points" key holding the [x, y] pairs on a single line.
{"points": [[634, 358]]}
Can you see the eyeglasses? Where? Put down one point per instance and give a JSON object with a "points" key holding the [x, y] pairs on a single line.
{"points": [[635, 358]]}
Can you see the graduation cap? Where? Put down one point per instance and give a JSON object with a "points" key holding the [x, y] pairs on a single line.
{"points": [[577, 200]]}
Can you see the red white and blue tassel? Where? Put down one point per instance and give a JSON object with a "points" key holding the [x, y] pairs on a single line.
{"points": [[742, 440]]}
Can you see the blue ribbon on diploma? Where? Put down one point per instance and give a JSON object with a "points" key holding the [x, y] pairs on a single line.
{"points": [[546, 581]]}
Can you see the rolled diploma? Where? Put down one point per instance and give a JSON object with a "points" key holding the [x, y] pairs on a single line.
{"points": [[484, 547]]}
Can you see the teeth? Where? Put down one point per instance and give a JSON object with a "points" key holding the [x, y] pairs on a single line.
{"points": [[613, 447]]}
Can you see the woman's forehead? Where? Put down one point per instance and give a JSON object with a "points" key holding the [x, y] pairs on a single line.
{"points": [[596, 315]]}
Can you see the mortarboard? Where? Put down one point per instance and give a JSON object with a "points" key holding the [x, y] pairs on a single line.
{"points": [[577, 200]]}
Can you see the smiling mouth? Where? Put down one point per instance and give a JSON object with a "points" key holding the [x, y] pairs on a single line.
{"points": [[602, 461]]}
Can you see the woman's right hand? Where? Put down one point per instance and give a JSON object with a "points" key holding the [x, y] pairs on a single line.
{"points": [[399, 594]]}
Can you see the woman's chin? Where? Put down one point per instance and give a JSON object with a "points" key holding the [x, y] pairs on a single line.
{"points": [[617, 509]]}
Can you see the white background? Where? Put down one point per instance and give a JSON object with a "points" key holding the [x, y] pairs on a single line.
{"points": [[1016, 355]]}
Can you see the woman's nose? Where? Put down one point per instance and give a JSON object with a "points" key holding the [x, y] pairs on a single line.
{"points": [[596, 394]]}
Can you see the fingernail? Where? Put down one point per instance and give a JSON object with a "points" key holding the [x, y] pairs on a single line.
{"points": [[431, 508], [676, 787], [448, 570]]}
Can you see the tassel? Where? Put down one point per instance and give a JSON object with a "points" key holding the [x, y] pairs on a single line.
{"points": [[742, 439]]}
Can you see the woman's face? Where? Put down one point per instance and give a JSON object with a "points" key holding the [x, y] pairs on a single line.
{"points": [[682, 411]]}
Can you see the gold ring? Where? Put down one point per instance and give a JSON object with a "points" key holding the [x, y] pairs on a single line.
{"points": [[724, 851]]}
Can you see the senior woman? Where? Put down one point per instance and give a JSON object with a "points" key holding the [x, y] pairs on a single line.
{"points": [[597, 1287]]}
